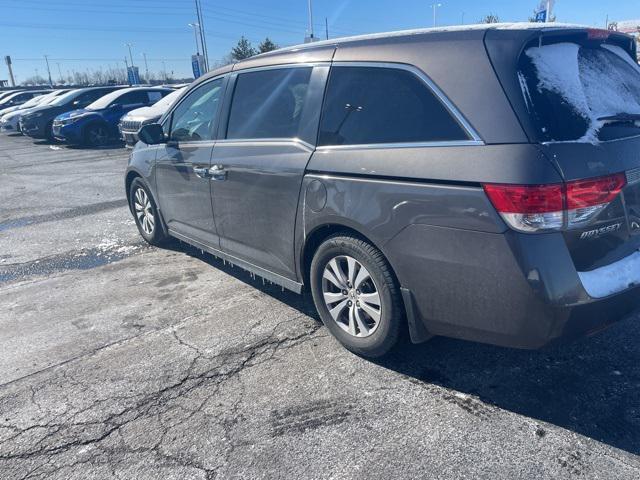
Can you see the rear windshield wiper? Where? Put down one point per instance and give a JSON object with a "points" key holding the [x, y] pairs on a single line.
{"points": [[622, 117]]}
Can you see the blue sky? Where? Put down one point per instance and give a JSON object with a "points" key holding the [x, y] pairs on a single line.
{"points": [[87, 34]]}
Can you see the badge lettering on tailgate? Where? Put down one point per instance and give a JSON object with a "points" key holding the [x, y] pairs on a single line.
{"points": [[598, 232]]}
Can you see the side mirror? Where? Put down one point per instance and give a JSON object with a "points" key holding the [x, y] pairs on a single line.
{"points": [[151, 134]]}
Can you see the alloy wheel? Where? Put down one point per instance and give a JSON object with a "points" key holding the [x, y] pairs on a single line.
{"points": [[98, 136], [351, 296], [144, 211]]}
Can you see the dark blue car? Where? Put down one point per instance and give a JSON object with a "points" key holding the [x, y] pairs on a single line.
{"points": [[97, 124]]}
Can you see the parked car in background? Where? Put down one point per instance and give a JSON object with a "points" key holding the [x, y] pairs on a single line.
{"points": [[10, 117], [28, 104], [97, 124], [479, 183], [18, 98], [6, 93], [132, 121], [38, 122]]}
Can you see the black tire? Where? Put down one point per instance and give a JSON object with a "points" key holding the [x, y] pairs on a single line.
{"points": [[49, 132], [156, 235], [96, 135], [391, 312]]}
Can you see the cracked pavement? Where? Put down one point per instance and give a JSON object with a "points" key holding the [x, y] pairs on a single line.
{"points": [[124, 361]]}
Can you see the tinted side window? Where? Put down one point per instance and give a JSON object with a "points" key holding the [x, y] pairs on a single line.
{"points": [[366, 105], [268, 103], [90, 96], [133, 98], [195, 117]]}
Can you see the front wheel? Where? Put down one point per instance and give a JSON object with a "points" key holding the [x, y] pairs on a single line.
{"points": [[356, 295], [146, 213], [96, 135]]}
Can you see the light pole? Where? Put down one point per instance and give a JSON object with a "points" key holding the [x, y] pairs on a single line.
{"points": [[128, 45], [435, 6], [146, 68], [46, 59], [196, 26], [310, 21]]}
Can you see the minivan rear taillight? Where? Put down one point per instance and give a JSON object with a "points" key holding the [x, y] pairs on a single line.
{"points": [[534, 208]]}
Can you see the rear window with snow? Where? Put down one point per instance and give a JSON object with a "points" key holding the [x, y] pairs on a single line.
{"points": [[581, 93]]}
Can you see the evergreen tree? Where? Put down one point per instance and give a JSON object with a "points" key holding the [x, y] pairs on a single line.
{"points": [[267, 45], [242, 50]]}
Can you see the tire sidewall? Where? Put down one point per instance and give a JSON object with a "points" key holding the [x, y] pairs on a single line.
{"points": [[87, 131], [157, 236], [378, 342]]}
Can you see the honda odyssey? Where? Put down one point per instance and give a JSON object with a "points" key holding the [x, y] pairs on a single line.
{"points": [[480, 183]]}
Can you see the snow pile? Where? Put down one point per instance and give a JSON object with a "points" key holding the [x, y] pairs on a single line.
{"points": [[613, 278], [597, 85]]}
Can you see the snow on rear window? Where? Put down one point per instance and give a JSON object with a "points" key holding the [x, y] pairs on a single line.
{"points": [[593, 82]]}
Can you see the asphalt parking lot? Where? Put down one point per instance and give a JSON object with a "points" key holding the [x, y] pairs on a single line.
{"points": [[118, 360]]}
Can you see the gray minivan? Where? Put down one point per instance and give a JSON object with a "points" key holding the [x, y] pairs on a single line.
{"points": [[481, 183]]}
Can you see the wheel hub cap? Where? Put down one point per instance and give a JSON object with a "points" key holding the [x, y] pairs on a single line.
{"points": [[351, 296], [144, 212]]}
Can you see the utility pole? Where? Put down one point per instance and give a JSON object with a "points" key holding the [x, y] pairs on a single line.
{"points": [[60, 72], [463, 18], [326, 27], [12, 80], [46, 59], [128, 45], [310, 21], [126, 72], [435, 6], [146, 68], [202, 38]]}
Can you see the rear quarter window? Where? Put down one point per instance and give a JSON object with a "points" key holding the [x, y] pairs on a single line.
{"points": [[377, 105]]}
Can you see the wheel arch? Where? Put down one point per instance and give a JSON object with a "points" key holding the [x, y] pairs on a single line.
{"points": [[130, 176], [320, 233]]}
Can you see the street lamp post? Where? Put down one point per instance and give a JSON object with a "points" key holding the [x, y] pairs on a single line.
{"points": [[196, 26], [128, 45], [435, 6], [46, 59]]}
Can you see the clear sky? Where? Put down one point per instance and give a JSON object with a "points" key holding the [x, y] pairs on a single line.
{"points": [[87, 34]]}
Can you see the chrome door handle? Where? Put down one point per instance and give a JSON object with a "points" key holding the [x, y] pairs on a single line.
{"points": [[201, 172], [217, 172]]}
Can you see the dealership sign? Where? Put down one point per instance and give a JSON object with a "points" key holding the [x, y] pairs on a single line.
{"points": [[197, 64]]}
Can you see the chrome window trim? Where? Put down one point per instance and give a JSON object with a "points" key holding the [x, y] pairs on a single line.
{"points": [[278, 66], [448, 105], [383, 146], [261, 142]]}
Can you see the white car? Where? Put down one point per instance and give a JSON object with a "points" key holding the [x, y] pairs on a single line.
{"points": [[10, 117], [20, 97], [132, 121]]}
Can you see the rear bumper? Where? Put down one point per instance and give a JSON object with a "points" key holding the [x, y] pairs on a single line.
{"points": [[508, 289]]}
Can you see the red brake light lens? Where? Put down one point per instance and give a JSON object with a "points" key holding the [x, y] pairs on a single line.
{"points": [[598, 34], [532, 208], [594, 191], [525, 198]]}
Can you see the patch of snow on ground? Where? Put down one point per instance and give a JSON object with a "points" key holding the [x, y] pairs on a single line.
{"points": [[613, 278]]}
